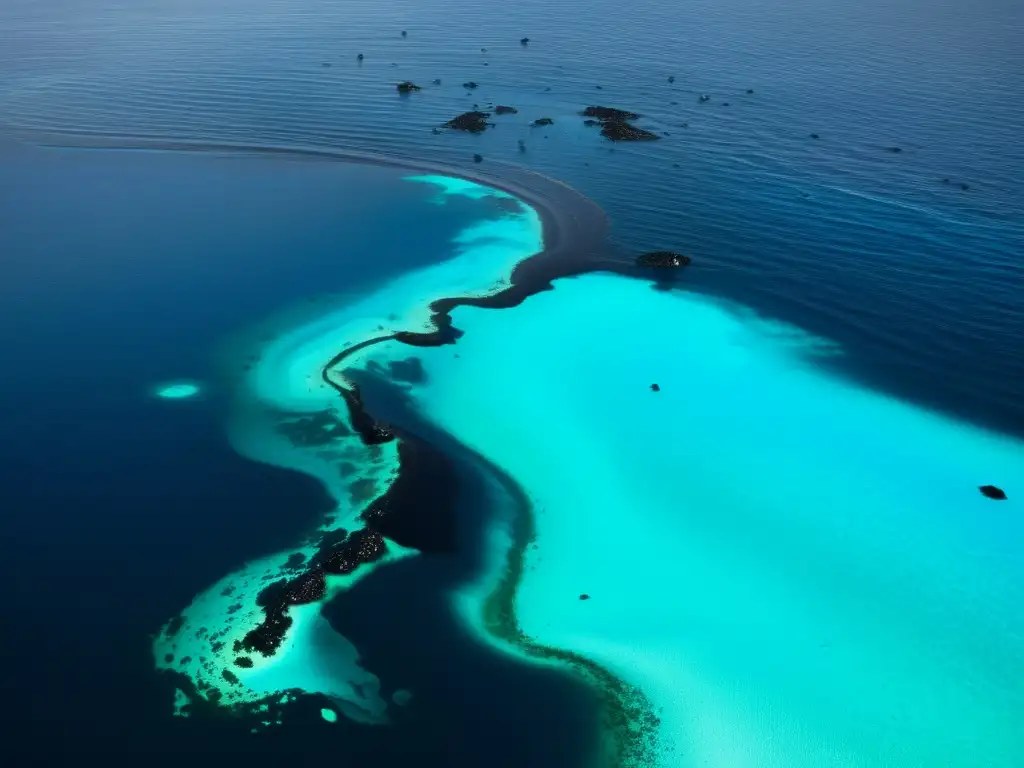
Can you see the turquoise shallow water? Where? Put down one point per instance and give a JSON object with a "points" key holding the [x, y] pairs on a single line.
{"points": [[796, 571]]}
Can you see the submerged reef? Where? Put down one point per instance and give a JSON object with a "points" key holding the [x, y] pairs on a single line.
{"points": [[255, 639], [179, 390]]}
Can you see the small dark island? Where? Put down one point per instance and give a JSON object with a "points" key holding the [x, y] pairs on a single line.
{"points": [[408, 87], [662, 260], [609, 113], [543, 121], [615, 124], [622, 131], [470, 85], [473, 122], [993, 492], [504, 110]]}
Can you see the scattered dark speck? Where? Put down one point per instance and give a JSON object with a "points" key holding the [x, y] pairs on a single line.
{"points": [[671, 78], [895, 149], [404, 33], [478, 158], [750, 90], [359, 57], [965, 187], [524, 41], [815, 136], [598, 87]]}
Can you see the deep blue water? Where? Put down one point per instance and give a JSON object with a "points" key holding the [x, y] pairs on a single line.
{"points": [[125, 269], [121, 270]]}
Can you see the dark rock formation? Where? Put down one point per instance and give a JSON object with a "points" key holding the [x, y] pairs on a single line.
{"points": [[408, 87], [671, 78], [243, 661], [662, 260], [524, 41], [609, 113], [470, 85], [371, 431], [584, 597], [615, 124], [655, 388], [363, 546], [231, 677], [478, 158], [622, 131], [503, 110], [474, 122], [543, 121], [992, 492]]}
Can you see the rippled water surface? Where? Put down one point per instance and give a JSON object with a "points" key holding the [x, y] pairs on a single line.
{"points": [[857, 170]]}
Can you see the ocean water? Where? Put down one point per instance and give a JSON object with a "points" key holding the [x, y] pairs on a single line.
{"points": [[862, 612], [132, 279]]}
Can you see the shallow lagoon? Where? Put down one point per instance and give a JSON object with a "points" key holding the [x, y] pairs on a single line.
{"points": [[795, 570]]}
